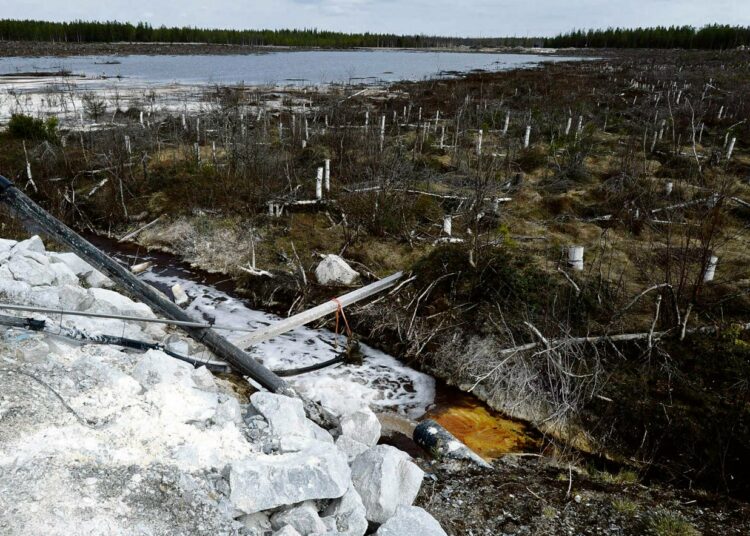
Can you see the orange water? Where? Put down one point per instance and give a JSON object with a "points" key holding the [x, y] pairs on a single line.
{"points": [[487, 433]]}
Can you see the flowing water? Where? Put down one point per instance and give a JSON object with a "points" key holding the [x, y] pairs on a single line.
{"points": [[382, 382]]}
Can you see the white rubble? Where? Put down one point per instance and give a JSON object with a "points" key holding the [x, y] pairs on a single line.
{"points": [[82, 269], [411, 520], [98, 440], [288, 530], [351, 447], [361, 425], [262, 481], [346, 516], [303, 518], [286, 417], [385, 479], [180, 296], [333, 270], [257, 524]]}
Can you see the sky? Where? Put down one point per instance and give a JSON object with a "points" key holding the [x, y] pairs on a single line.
{"points": [[475, 18]]}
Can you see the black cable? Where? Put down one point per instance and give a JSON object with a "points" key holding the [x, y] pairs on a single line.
{"points": [[32, 324]]}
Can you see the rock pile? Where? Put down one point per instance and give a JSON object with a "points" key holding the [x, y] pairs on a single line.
{"points": [[95, 440]]}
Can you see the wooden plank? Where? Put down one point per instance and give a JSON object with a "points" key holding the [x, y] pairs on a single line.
{"points": [[327, 308]]}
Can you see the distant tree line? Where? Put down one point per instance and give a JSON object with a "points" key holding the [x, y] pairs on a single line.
{"points": [[708, 37], [687, 37], [109, 32]]}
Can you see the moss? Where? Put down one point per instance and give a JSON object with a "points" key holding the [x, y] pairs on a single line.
{"points": [[665, 523], [531, 159], [502, 277], [625, 506]]}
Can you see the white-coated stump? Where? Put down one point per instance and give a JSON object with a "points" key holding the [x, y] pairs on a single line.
{"points": [[575, 258], [711, 268], [327, 176], [448, 225], [319, 184]]}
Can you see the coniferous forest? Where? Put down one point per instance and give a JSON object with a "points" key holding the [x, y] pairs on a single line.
{"points": [[685, 37], [712, 37], [112, 32]]}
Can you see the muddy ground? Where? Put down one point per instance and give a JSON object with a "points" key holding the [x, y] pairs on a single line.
{"points": [[533, 496]]}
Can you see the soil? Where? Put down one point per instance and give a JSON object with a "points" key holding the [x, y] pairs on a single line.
{"points": [[537, 496]]}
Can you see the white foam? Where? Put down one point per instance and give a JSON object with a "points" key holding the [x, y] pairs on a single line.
{"points": [[382, 382]]}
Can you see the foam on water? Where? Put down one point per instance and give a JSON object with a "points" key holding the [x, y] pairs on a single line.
{"points": [[381, 382]]}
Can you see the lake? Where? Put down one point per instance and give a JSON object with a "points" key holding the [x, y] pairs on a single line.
{"points": [[309, 67]]}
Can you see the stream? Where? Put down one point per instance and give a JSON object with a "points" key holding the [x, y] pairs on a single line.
{"points": [[385, 384]]}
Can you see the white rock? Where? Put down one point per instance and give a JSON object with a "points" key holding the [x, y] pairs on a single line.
{"points": [[180, 404], [75, 298], [44, 296], [347, 514], [33, 269], [333, 270], [265, 481], [202, 377], [156, 367], [6, 245], [14, 291], [351, 447], [180, 297], [82, 269], [98, 280], [257, 524], [34, 244], [287, 531], [30, 350], [108, 301], [286, 417], [362, 425], [303, 518], [229, 411], [63, 274], [76, 264], [385, 479], [411, 520]]}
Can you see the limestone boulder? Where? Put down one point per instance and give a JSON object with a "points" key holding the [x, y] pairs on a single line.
{"points": [[262, 481], [333, 270], [361, 425], [385, 478], [411, 520], [303, 518]]}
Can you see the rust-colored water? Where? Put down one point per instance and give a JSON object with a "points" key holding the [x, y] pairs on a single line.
{"points": [[484, 431]]}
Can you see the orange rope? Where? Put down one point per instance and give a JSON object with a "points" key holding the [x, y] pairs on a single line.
{"points": [[340, 312]]}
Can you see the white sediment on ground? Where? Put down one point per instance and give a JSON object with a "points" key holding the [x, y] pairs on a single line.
{"points": [[96, 440]]}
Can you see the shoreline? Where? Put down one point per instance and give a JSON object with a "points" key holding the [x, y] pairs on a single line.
{"points": [[57, 49]]}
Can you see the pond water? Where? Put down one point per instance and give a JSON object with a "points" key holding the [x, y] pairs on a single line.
{"points": [[309, 67]]}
